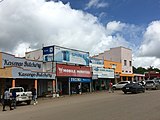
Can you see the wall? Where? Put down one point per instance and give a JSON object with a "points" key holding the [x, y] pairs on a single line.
{"points": [[0, 60], [114, 54], [109, 64], [35, 55], [126, 55], [6, 72]]}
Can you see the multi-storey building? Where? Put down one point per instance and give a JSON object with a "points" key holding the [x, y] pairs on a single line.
{"points": [[117, 66], [122, 55]]}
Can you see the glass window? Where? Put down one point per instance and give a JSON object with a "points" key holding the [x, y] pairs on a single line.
{"points": [[125, 62], [130, 63]]}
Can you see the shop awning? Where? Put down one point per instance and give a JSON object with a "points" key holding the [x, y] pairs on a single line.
{"points": [[127, 75]]}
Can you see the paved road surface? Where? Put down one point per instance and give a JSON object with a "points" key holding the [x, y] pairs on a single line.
{"points": [[94, 106]]}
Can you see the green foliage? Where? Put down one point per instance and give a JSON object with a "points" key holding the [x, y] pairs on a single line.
{"points": [[141, 70]]}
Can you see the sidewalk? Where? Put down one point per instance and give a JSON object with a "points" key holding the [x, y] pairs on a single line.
{"points": [[42, 100]]}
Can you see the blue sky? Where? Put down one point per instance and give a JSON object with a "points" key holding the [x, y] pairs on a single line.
{"points": [[138, 12], [88, 25]]}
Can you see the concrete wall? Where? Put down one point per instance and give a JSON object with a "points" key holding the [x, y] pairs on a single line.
{"points": [[35, 55], [116, 65]]}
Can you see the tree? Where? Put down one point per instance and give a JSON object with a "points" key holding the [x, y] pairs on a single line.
{"points": [[139, 70]]}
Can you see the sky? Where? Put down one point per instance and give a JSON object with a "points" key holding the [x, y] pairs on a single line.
{"points": [[88, 25]]}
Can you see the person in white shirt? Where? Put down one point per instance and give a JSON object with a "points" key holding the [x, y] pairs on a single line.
{"points": [[7, 101]]}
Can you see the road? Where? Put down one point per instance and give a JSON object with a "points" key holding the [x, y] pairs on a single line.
{"points": [[94, 106]]}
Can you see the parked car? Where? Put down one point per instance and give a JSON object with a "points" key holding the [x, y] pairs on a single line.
{"points": [[133, 88], [120, 85], [152, 84], [143, 83], [22, 96]]}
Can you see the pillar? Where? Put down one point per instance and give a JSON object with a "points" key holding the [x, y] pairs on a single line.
{"points": [[126, 78], [121, 78], [35, 86], [69, 87], [90, 86], [13, 83], [54, 86]]}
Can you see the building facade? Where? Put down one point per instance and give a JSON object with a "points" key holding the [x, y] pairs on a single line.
{"points": [[101, 76], [117, 66], [16, 71], [122, 55]]}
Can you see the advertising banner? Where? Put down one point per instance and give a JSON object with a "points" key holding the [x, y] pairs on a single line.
{"points": [[83, 80], [74, 71], [48, 54], [11, 60], [103, 73], [71, 56], [20, 73], [96, 62]]}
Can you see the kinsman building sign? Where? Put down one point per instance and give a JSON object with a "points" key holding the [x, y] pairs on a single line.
{"points": [[10, 60]]}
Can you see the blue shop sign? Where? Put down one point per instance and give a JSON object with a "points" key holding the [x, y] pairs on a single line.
{"points": [[48, 50], [83, 80]]}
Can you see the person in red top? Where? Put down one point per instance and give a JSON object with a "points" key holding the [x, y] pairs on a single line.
{"points": [[110, 87]]}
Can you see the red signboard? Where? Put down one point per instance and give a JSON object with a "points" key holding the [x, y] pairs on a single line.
{"points": [[72, 71]]}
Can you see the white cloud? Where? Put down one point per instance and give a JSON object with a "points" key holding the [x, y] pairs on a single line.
{"points": [[26, 25], [146, 62], [96, 4], [115, 26], [148, 53], [35, 22], [151, 41]]}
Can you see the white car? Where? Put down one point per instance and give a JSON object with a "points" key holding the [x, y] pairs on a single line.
{"points": [[22, 96], [120, 85]]}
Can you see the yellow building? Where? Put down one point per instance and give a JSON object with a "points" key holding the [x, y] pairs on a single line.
{"points": [[117, 66], [119, 75]]}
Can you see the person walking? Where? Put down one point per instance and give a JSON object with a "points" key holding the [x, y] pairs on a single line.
{"points": [[6, 98], [110, 87], [34, 95], [14, 98]]}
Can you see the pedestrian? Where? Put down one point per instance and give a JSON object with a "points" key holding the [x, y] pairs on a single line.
{"points": [[6, 99], [110, 87], [14, 98], [34, 96]]}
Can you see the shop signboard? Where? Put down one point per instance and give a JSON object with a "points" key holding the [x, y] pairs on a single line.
{"points": [[11, 60], [94, 62], [73, 71], [71, 56], [83, 80], [21, 73], [48, 54], [103, 72]]}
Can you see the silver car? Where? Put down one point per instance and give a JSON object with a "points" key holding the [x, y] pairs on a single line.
{"points": [[152, 84], [120, 85]]}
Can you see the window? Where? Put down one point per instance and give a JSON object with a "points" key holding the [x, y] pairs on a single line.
{"points": [[130, 63], [125, 62]]}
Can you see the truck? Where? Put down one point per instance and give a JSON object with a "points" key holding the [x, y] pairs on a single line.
{"points": [[22, 96]]}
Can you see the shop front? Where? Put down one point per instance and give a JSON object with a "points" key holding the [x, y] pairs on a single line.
{"points": [[44, 82], [104, 76], [73, 79], [79, 85], [101, 76], [20, 72]]}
